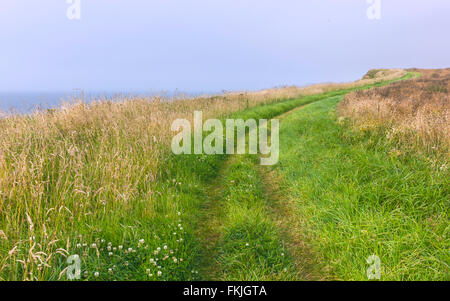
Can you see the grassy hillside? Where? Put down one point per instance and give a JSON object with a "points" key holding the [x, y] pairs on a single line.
{"points": [[99, 181]]}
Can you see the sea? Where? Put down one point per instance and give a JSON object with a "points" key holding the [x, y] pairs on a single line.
{"points": [[27, 102]]}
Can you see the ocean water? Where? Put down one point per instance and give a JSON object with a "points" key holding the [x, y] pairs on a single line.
{"points": [[26, 102]]}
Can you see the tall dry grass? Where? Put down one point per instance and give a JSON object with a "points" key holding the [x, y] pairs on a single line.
{"points": [[87, 166], [413, 112]]}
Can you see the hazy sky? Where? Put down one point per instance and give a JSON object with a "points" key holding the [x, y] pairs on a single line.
{"points": [[210, 45]]}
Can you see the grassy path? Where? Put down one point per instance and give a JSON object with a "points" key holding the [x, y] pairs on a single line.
{"points": [[244, 243], [282, 211], [234, 248], [209, 232], [239, 238], [265, 223]]}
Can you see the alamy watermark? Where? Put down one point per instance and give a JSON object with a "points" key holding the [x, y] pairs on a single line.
{"points": [[374, 9], [374, 270], [74, 267], [235, 133], [74, 10]]}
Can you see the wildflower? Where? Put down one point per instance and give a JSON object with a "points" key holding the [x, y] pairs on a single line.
{"points": [[152, 260], [141, 241], [150, 275], [159, 273], [120, 247], [102, 241], [96, 274], [246, 244], [94, 246], [110, 253], [148, 271], [282, 254], [156, 252], [109, 248], [110, 271], [130, 249], [78, 246], [165, 247], [114, 249], [175, 260], [126, 263], [158, 249], [179, 213]]}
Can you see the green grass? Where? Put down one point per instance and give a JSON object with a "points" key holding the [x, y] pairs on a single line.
{"points": [[178, 197], [167, 212], [250, 247], [361, 199]]}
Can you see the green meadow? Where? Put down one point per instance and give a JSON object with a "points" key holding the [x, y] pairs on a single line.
{"points": [[336, 197]]}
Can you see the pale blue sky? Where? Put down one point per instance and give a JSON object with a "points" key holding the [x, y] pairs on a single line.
{"points": [[211, 45]]}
